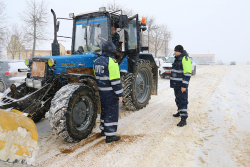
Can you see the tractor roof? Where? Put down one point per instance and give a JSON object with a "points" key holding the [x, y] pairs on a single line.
{"points": [[117, 13]]}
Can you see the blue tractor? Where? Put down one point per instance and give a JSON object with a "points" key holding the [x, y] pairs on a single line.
{"points": [[65, 85]]}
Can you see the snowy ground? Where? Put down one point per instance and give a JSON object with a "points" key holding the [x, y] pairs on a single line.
{"points": [[217, 133]]}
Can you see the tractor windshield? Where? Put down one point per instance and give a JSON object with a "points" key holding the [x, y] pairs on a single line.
{"points": [[90, 34]]}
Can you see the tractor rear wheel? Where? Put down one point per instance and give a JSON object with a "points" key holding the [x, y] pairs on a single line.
{"points": [[73, 112], [137, 87]]}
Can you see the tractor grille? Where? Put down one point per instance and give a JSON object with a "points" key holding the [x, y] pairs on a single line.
{"points": [[38, 69]]}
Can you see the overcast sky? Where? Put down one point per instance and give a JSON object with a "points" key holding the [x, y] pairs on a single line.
{"points": [[220, 27]]}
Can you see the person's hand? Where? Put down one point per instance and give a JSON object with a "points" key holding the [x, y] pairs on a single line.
{"points": [[183, 89], [99, 36], [120, 99]]}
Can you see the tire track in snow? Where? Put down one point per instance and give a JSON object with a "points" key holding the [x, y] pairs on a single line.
{"points": [[150, 136], [175, 147]]}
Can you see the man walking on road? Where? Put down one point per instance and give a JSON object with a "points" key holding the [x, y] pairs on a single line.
{"points": [[179, 80], [107, 74]]}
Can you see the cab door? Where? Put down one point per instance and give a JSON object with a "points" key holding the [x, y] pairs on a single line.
{"points": [[132, 43]]}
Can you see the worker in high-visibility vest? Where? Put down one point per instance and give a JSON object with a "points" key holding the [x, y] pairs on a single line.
{"points": [[179, 80], [108, 81]]}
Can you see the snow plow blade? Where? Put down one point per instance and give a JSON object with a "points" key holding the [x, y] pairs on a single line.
{"points": [[18, 138]]}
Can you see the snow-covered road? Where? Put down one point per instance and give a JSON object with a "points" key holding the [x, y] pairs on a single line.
{"points": [[217, 131]]}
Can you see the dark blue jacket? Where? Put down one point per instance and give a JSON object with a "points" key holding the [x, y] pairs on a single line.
{"points": [[107, 71], [181, 71]]}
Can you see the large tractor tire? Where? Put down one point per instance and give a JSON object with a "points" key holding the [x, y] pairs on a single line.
{"points": [[137, 87], [73, 112]]}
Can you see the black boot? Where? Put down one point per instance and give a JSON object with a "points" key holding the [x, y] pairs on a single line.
{"points": [[102, 133], [110, 139], [182, 122], [176, 115]]}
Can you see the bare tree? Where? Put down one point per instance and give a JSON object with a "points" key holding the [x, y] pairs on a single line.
{"points": [[116, 7], [15, 42], [2, 26], [170, 52], [167, 36], [151, 26], [158, 38], [35, 18]]}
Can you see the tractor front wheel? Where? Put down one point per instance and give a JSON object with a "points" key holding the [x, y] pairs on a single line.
{"points": [[73, 112]]}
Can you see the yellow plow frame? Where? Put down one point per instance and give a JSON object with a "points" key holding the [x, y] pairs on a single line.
{"points": [[18, 138]]}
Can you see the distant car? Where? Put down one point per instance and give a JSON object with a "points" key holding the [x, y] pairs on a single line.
{"points": [[160, 60], [9, 73], [232, 63], [165, 68]]}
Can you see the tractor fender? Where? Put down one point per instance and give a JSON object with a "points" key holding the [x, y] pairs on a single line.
{"points": [[149, 57]]}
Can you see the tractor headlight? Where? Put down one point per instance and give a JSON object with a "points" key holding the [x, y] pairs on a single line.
{"points": [[37, 84], [27, 62], [51, 62], [29, 82]]}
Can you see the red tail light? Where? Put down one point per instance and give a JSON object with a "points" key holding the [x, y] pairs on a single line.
{"points": [[10, 73]]}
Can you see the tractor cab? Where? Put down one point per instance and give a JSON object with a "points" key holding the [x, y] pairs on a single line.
{"points": [[90, 30]]}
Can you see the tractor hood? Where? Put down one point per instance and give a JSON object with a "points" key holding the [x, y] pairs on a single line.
{"points": [[73, 61]]}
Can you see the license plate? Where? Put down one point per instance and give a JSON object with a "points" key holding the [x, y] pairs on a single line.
{"points": [[38, 69]]}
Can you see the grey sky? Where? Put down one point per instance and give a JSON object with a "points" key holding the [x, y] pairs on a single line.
{"points": [[221, 27]]}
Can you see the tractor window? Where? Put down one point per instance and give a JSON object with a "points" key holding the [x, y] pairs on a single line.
{"points": [[132, 35], [90, 34]]}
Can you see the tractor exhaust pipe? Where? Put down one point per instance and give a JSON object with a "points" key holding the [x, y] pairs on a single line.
{"points": [[55, 45]]}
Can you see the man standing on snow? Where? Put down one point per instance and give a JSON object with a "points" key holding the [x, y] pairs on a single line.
{"points": [[110, 89], [179, 80]]}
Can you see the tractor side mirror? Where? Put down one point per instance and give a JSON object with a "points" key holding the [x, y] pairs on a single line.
{"points": [[123, 21], [57, 26]]}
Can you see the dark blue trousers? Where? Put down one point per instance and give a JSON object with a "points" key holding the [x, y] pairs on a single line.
{"points": [[109, 113], [181, 100]]}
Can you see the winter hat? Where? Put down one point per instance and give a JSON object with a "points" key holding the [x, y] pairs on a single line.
{"points": [[108, 47], [179, 48]]}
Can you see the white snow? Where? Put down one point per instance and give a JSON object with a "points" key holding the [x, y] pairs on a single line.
{"points": [[217, 131]]}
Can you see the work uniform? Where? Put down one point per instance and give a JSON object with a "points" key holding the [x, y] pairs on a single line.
{"points": [[109, 85], [180, 77]]}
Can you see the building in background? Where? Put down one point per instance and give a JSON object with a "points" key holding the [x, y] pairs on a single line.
{"points": [[203, 58], [16, 51]]}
